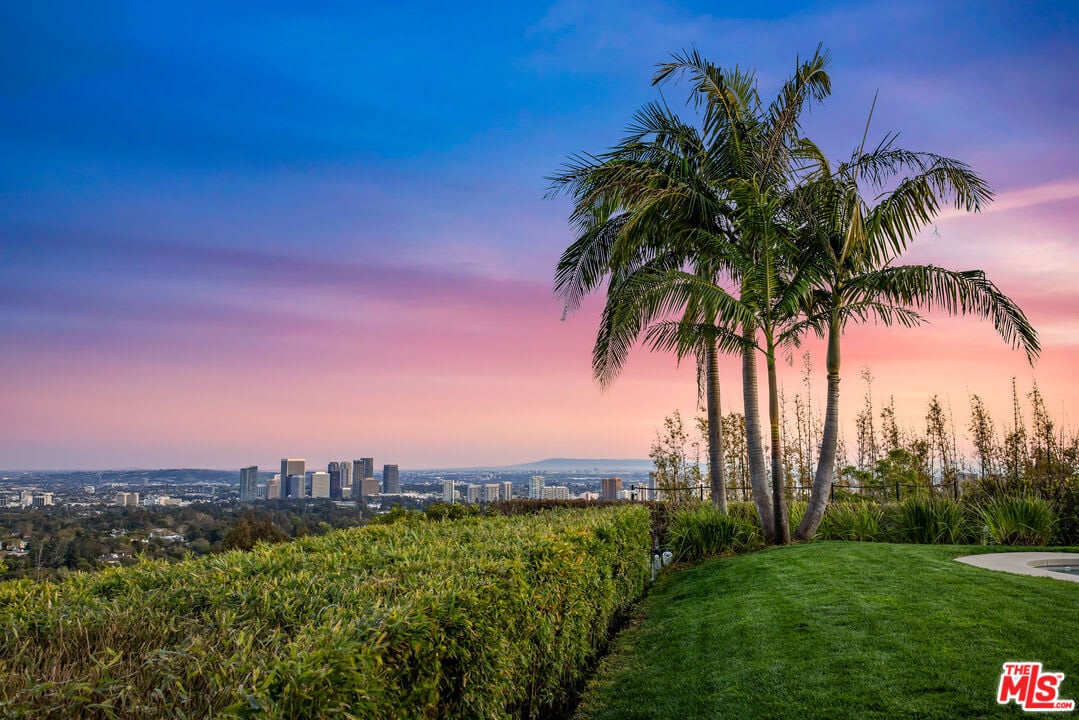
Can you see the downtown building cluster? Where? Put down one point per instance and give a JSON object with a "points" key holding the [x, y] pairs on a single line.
{"points": [[342, 480]]}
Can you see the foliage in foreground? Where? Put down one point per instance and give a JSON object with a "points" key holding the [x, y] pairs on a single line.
{"points": [[930, 519], [701, 531], [1018, 520], [491, 617], [834, 630]]}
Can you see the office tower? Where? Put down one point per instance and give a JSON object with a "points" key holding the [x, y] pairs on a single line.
{"points": [[475, 493], [346, 474], [333, 470], [535, 487], [249, 483], [290, 468], [368, 487], [507, 491], [610, 488], [391, 480], [357, 478], [448, 491], [294, 488], [491, 491], [367, 467], [556, 492], [273, 488], [320, 485]]}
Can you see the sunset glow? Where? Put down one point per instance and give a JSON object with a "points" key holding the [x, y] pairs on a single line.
{"points": [[229, 236]]}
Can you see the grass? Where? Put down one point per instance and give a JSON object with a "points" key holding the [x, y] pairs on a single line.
{"points": [[835, 630]]}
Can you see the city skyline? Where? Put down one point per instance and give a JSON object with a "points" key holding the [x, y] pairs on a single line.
{"points": [[233, 230]]}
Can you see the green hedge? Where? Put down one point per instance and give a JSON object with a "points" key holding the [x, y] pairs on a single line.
{"points": [[480, 618]]}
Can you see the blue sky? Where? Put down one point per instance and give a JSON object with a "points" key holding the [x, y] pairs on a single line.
{"points": [[351, 197]]}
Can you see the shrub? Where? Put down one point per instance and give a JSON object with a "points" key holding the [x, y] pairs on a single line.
{"points": [[746, 513], [928, 519], [796, 510], [700, 531], [853, 521], [1018, 520], [490, 618], [659, 512]]}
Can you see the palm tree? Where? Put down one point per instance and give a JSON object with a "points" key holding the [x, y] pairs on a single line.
{"points": [[851, 244], [648, 203], [670, 197], [760, 147]]}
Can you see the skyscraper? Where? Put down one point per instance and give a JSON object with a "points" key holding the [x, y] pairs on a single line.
{"points": [[610, 488], [361, 470], [449, 493], [535, 487], [294, 488], [334, 471], [273, 488], [320, 485], [368, 487], [249, 483], [491, 492], [292, 467], [507, 491], [346, 475], [391, 482]]}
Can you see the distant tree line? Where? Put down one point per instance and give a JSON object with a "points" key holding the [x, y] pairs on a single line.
{"points": [[62, 539]]}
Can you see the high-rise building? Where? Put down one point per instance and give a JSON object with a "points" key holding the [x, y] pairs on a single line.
{"points": [[294, 488], [491, 492], [535, 487], [475, 493], [320, 485], [391, 480], [290, 468], [273, 488], [249, 483], [334, 471], [449, 493], [346, 473], [368, 487], [610, 488], [556, 492], [507, 491]]}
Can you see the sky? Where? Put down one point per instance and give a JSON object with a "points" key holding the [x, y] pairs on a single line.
{"points": [[231, 233]]}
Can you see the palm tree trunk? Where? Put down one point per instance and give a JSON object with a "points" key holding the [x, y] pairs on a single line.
{"points": [[779, 499], [754, 447], [822, 480], [715, 429]]}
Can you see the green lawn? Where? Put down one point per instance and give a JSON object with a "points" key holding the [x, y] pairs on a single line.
{"points": [[836, 630]]}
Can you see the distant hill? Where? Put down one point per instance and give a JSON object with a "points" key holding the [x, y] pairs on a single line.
{"points": [[605, 465]]}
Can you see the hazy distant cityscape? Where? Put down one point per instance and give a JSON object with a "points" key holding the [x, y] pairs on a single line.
{"points": [[344, 482]]}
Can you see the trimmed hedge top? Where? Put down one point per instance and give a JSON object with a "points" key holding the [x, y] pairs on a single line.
{"points": [[479, 618]]}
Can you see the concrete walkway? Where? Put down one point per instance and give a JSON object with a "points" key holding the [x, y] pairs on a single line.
{"points": [[1026, 563]]}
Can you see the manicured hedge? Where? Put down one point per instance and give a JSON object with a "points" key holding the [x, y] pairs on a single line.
{"points": [[478, 618]]}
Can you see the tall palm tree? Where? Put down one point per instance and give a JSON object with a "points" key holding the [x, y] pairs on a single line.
{"points": [[669, 198], [648, 203], [851, 244], [760, 145]]}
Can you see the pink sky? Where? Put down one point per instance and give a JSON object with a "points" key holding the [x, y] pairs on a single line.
{"points": [[219, 254]]}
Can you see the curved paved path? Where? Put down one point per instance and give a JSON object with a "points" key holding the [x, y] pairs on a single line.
{"points": [[1025, 563]]}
